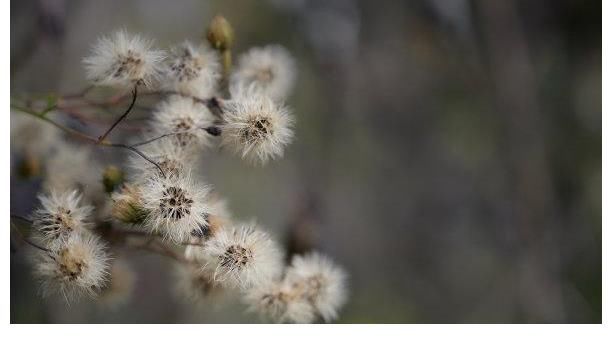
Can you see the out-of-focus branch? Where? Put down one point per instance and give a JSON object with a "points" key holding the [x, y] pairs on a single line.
{"points": [[86, 137]]}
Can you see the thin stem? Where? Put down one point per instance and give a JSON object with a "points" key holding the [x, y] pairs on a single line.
{"points": [[26, 240], [79, 94], [87, 137], [57, 125], [212, 130], [141, 154], [125, 114], [212, 103]]}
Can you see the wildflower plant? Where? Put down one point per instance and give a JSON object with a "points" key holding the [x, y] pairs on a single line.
{"points": [[157, 200]]}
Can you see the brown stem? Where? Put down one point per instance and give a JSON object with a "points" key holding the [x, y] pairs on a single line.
{"points": [[89, 138], [141, 154], [79, 94], [23, 238], [212, 130], [125, 114]]}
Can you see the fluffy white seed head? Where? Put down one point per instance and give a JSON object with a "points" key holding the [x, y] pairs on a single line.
{"points": [[320, 281], [193, 70], [256, 127], [270, 70], [122, 60], [194, 284], [176, 207], [278, 302], [172, 159], [60, 215], [77, 266], [243, 256], [187, 118]]}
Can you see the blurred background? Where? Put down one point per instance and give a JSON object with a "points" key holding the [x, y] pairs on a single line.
{"points": [[448, 152]]}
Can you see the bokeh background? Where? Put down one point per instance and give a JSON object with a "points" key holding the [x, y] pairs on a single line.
{"points": [[448, 152]]}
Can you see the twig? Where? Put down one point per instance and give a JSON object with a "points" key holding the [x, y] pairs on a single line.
{"points": [[141, 154], [24, 239], [87, 137], [125, 114], [212, 130], [79, 94]]}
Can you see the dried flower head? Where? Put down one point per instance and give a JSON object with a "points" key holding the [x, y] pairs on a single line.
{"points": [[176, 207], [118, 290], [187, 118], [77, 266], [192, 70], [270, 70], [123, 61], [317, 279], [278, 302], [243, 256], [194, 284], [256, 128], [60, 215], [127, 205]]}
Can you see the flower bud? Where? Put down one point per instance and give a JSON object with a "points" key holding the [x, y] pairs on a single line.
{"points": [[127, 205], [111, 178], [220, 33], [29, 166]]}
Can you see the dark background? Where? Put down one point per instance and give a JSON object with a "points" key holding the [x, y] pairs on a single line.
{"points": [[448, 153]]}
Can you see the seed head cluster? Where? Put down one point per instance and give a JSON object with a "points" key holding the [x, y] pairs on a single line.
{"points": [[161, 200]]}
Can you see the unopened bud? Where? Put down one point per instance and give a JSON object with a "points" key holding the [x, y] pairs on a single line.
{"points": [[127, 205], [220, 33], [29, 166], [112, 178]]}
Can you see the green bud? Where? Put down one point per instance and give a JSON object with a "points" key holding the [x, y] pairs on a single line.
{"points": [[111, 178], [127, 205], [220, 33]]}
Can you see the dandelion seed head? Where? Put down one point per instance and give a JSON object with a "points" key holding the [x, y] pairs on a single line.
{"points": [[192, 70], [278, 302], [185, 117], [320, 281], [175, 206], [270, 70], [60, 215], [77, 266], [123, 61], [256, 128], [243, 256], [194, 284]]}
